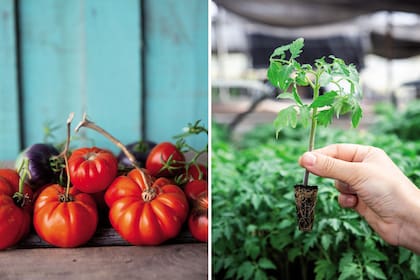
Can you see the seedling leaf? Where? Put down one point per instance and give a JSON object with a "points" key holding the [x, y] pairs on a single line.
{"points": [[326, 99], [296, 48]]}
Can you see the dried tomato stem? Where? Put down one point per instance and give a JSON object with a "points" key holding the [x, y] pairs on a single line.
{"points": [[89, 124], [149, 193], [64, 154]]}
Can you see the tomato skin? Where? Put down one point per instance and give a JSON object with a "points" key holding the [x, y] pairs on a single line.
{"points": [[198, 219], [194, 188], [65, 224], [195, 171], [92, 169], [143, 222], [160, 155], [11, 176], [15, 221]]}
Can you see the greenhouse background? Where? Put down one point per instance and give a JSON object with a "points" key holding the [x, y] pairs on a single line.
{"points": [[254, 229]]}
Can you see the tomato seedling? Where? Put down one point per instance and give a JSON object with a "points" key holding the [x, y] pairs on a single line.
{"points": [[342, 97]]}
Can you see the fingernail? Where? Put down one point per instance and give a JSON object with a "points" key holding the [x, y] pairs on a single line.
{"points": [[308, 159]]}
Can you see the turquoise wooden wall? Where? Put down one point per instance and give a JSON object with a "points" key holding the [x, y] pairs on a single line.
{"points": [[137, 67]]}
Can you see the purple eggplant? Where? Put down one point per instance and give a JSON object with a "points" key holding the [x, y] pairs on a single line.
{"points": [[43, 165], [140, 151]]}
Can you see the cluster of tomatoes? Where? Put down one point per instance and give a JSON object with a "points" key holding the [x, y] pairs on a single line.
{"points": [[146, 205]]}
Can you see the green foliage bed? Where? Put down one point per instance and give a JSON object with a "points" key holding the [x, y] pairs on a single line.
{"points": [[254, 231]]}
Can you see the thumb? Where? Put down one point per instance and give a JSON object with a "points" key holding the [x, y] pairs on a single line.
{"points": [[325, 166]]}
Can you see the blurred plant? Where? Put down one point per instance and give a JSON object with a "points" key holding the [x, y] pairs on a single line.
{"points": [[405, 124], [254, 234]]}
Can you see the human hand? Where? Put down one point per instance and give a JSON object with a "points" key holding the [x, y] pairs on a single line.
{"points": [[370, 182]]}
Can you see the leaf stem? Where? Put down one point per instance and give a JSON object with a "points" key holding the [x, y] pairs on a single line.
{"points": [[313, 125]]}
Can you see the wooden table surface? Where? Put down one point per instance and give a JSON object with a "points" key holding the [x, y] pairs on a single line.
{"points": [[172, 261]]}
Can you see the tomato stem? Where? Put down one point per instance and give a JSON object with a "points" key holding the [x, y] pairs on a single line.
{"points": [[89, 124], [64, 154], [311, 145], [149, 194], [19, 197]]}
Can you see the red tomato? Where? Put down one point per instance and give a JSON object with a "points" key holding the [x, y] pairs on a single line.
{"points": [[197, 172], [143, 211], [15, 220], [92, 169], [198, 219], [11, 176], [194, 188], [165, 160], [65, 223]]}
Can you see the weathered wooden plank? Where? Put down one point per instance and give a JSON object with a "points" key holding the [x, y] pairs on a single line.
{"points": [[174, 261], [113, 67], [104, 236], [53, 69], [9, 110], [81, 56], [176, 54]]}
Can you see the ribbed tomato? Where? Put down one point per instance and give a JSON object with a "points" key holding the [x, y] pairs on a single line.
{"points": [[92, 169], [143, 211], [65, 222], [15, 209]]}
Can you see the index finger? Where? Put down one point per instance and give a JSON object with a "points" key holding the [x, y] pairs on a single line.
{"points": [[345, 152]]}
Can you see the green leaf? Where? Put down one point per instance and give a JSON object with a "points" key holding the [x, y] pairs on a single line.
{"points": [[293, 253], [286, 95], [415, 264], [324, 270], [246, 269], [260, 274], [265, 263], [374, 271], [356, 115], [325, 117], [345, 259], [252, 249], [341, 105], [352, 227], [305, 115], [404, 255], [326, 241], [371, 253], [285, 118], [279, 242], [256, 201], [301, 79], [324, 100], [325, 79], [296, 47], [280, 52], [309, 242], [279, 75], [351, 271]]}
